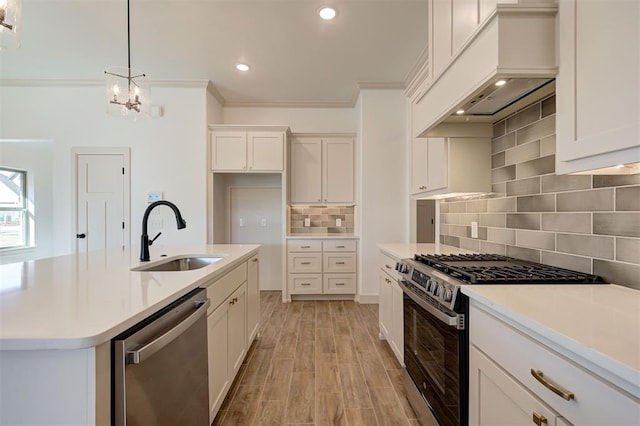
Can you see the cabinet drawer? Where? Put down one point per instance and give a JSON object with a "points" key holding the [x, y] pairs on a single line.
{"points": [[339, 262], [388, 264], [304, 262], [304, 245], [219, 290], [305, 283], [339, 245], [596, 402], [339, 283]]}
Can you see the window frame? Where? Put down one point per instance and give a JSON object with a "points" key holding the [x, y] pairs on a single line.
{"points": [[24, 209]]}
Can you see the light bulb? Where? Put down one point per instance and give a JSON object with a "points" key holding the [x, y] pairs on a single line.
{"points": [[501, 83], [327, 13], [3, 4], [116, 89], [460, 112], [136, 90]]}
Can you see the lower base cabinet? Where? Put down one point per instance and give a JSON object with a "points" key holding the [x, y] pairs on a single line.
{"points": [[391, 308], [232, 323]]}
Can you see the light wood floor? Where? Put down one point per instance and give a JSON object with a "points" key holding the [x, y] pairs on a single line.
{"points": [[317, 363]]}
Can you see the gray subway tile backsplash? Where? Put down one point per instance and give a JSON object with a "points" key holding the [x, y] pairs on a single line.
{"points": [[537, 167], [628, 250], [580, 222], [528, 115], [537, 130], [586, 245], [524, 186], [618, 273], [322, 218], [628, 198], [536, 203], [585, 201], [625, 224], [555, 183]]}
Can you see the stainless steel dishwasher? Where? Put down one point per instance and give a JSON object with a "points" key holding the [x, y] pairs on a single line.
{"points": [[160, 367]]}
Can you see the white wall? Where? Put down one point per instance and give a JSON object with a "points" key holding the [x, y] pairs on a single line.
{"points": [[167, 154], [382, 211], [300, 120]]}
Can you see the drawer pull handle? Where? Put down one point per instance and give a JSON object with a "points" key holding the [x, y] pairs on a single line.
{"points": [[339, 246], [305, 263], [306, 247], [539, 376], [339, 263], [305, 283], [339, 283], [387, 266], [539, 419]]}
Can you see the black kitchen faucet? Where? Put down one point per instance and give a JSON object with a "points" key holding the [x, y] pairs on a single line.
{"points": [[144, 238]]}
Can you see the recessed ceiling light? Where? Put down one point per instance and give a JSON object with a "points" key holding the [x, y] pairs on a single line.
{"points": [[327, 13], [460, 112], [501, 83], [243, 67]]}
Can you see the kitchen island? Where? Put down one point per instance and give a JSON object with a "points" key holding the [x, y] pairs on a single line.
{"points": [[58, 316]]}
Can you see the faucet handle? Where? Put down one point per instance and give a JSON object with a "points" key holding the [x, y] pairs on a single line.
{"points": [[155, 238]]}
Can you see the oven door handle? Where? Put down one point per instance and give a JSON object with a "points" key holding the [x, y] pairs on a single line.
{"points": [[456, 321]]}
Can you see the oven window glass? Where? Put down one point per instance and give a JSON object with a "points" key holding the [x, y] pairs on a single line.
{"points": [[433, 358]]}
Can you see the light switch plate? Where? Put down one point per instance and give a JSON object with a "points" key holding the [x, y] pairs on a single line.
{"points": [[307, 221], [338, 222]]}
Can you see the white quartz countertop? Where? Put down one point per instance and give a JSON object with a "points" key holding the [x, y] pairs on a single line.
{"points": [[83, 300], [406, 250], [597, 326], [322, 237]]}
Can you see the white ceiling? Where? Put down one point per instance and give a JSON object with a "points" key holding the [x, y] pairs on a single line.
{"points": [[295, 56]]}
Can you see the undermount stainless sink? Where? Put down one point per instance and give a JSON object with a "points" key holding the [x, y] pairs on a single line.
{"points": [[187, 263]]}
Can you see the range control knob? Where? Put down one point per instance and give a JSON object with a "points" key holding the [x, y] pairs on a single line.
{"points": [[448, 295], [437, 289]]}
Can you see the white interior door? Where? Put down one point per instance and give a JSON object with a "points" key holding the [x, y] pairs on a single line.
{"points": [[102, 201], [256, 218]]}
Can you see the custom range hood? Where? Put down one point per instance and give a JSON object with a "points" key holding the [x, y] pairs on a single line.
{"points": [[515, 45]]}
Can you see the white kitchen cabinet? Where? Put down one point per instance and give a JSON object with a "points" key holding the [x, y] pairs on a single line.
{"points": [[321, 266], [236, 150], [448, 166], [598, 85], [391, 307], [322, 170], [253, 299], [496, 398], [519, 358], [226, 332]]}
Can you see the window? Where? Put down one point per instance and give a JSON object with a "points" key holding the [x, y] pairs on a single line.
{"points": [[14, 229]]}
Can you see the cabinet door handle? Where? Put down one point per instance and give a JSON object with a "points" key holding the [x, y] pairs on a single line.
{"points": [[539, 419], [254, 260], [553, 387], [231, 302], [339, 263], [305, 263]]}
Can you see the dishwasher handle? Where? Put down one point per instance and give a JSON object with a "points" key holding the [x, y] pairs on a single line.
{"points": [[140, 355]]}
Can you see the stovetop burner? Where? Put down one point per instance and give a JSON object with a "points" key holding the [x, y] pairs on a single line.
{"points": [[497, 269]]}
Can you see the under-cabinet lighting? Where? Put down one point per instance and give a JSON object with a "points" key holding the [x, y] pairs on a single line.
{"points": [[501, 83], [460, 112]]}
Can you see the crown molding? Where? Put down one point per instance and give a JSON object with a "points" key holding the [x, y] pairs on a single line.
{"points": [[213, 91], [286, 104]]}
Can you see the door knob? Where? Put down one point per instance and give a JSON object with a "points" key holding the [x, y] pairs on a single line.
{"points": [[81, 236]]}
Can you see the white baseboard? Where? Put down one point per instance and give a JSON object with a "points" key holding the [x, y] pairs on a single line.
{"points": [[367, 299]]}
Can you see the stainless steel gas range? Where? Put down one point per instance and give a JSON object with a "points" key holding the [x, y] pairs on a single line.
{"points": [[436, 329]]}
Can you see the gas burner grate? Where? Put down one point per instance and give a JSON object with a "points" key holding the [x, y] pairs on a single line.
{"points": [[508, 270]]}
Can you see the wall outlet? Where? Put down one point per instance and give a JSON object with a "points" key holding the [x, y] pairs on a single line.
{"points": [[154, 196], [338, 222], [263, 222], [307, 221], [474, 229]]}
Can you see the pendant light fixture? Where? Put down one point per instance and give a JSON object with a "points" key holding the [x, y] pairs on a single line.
{"points": [[10, 25], [128, 89]]}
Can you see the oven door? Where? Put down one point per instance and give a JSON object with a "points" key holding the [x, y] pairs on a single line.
{"points": [[435, 355]]}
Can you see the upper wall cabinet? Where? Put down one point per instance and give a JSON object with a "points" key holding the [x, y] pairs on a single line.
{"points": [[474, 43], [447, 167], [598, 86], [322, 170], [247, 148]]}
